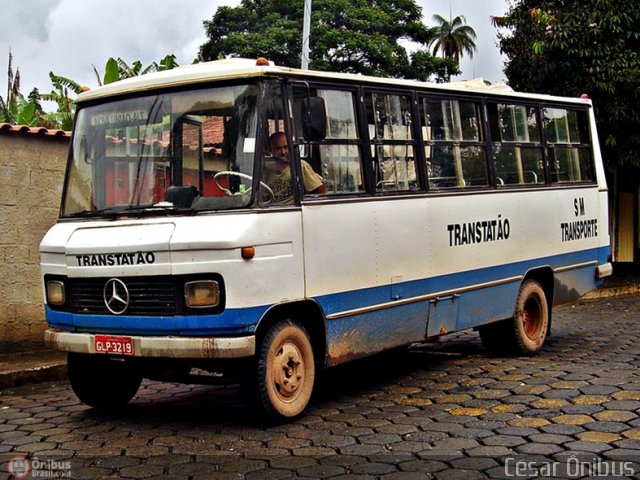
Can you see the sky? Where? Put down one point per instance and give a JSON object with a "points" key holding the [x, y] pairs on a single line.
{"points": [[70, 37]]}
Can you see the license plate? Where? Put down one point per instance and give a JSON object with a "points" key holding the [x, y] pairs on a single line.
{"points": [[113, 345]]}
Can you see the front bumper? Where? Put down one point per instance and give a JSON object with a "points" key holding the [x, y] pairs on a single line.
{"points": [[159, 347]]}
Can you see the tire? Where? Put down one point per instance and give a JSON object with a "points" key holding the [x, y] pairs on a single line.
{"points": [[525, 333], [285, 372], [102, 382]]}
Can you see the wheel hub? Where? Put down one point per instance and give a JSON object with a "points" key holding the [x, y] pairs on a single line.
{"points": [[288, 370]]}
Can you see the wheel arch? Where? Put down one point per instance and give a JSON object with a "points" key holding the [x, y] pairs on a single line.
{"points": [[309, 314]]}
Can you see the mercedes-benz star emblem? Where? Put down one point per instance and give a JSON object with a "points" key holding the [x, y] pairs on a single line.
{"points": [[116, 296]]}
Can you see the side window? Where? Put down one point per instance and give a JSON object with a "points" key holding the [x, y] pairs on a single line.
{"points": [[454, 149], [392, 144], [517, 149], [568, 143], [335, 154]]}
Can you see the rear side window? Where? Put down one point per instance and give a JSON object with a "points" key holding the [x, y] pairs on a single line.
{"points": [[568, 145]]}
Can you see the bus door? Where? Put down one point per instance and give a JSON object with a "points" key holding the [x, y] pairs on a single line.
{"points": [[360, 254]]}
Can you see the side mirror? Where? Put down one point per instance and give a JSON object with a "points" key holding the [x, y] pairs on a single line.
{"points": [[314, 119]]}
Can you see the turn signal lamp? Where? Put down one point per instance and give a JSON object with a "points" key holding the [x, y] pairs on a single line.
{"points": [[55, 292], [248, 252], [202, 294]]}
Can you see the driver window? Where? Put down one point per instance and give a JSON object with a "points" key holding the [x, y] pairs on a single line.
{"points": [[277, 184]]}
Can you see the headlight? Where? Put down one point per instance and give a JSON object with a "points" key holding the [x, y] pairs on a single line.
{"points": [[55, 292], [202, 294]]}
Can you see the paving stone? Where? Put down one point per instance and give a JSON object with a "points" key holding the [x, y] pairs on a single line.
{"points": [[512, 408], [623, 405], [567, 419], [615, 416], [459, 475], [561, 394], [590, 399], [380, 439], [628, 443], [607, 427], [372, 468], [598, 389], [602, 437], [406, 476], [582, 409], [633, 433], [504, 440], [491, 394], [490, 451], [554, 438], [626, 395], [546, 449], [587, 446], [321, 471], [562, 429], [530, 389], [529, 422]]}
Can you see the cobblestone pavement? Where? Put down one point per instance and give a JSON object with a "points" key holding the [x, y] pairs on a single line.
{"points": [[442, 410]]}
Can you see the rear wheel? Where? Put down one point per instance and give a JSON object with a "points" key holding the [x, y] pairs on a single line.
{"points": [[286, 371], [102, 382], [526, 332]]}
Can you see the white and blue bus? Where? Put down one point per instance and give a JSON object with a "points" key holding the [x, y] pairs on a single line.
{"points": [[189, 246]]}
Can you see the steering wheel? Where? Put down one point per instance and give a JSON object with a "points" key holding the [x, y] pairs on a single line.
{"points": [[231, 173]]}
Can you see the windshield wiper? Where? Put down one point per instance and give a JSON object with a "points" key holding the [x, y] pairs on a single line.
{"points": [[158, 207], [100, 212]]}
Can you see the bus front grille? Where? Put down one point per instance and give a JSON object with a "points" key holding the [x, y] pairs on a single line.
{"points": [[146, 296]]}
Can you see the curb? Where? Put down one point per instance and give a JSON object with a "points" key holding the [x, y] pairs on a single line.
{"points": [[27, 369], [612, 292]]}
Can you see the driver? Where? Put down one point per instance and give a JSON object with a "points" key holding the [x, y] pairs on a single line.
{"points": [[278, 172]]}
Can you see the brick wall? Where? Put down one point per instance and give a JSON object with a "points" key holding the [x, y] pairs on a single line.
{"points": [[32, 165]]}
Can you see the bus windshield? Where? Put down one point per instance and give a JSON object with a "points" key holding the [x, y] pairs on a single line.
{"points": [[161, 152]]}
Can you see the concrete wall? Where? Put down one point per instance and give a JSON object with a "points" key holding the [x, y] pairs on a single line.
{"points": [[32, 167]]}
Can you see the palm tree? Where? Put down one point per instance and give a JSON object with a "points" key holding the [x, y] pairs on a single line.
{"points": [[453, 37]]}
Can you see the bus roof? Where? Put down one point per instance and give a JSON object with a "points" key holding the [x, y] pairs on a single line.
{"points": [[238, 68]]}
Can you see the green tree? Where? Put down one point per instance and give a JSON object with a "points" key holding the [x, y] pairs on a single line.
{"points": [[453, 38], [573, 47], [355, 36]]}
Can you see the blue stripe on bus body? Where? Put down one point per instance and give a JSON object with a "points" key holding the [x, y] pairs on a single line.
{"points": [[336, 303], [473, 307], [238, 321]]}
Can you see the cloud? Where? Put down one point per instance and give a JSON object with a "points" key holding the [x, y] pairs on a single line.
{"points": [[69, 37]]}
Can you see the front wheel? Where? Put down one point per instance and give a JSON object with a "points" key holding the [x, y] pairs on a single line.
{"points": [[102, 382], [286, 371], [526, 332]]}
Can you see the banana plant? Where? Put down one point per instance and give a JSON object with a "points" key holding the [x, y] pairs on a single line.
{"points": [[118, 69]]}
